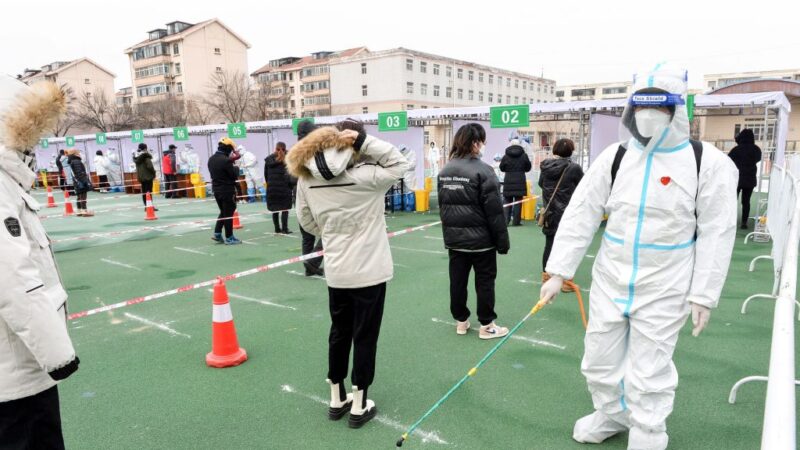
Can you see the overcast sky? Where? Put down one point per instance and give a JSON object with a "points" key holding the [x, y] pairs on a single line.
{"points": [[569, 41]]}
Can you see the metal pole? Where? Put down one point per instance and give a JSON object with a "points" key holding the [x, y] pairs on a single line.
{"points": [[763, 164]]}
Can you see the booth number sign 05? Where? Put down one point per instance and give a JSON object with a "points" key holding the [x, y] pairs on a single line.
{"points": [[393, 121], [514, 116]]}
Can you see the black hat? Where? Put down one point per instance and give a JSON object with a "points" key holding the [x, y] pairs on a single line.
{"points": [[304, 128], [142, 146], [172, 147]]}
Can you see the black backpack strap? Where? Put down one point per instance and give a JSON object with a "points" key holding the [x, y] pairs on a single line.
{"points": [[697, 146], [615, 165]]}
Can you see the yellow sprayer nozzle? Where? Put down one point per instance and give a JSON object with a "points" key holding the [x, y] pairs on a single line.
{"points": [[472, 371]]}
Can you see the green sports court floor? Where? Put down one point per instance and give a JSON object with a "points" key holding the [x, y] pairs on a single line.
{"points": [[143, 382]]}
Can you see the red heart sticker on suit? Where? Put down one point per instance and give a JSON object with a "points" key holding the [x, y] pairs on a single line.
{"points": [[665, 180]]}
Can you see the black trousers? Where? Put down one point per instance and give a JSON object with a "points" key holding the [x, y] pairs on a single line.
{"points": [[32, 422], [226, 201], [170, 184], [103, 182], [147, 187], [485, 266], [309, 241], [81, 202], [515, 211], [746, 192], [548, 246], [356, 316], [283, 224]]}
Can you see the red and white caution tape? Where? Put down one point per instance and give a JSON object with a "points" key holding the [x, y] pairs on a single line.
{"points": [[116, 197]]}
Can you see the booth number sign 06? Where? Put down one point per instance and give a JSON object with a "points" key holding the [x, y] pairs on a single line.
{"points": [[393, 121], [514, 116]]}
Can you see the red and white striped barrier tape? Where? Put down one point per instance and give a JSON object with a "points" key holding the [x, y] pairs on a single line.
{"points": [[116, 197], [128, 208]]}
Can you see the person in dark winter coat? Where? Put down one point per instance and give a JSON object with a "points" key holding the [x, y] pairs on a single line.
{"points": [[61, 177], [551, 171], [515, 164], [224, 177], [474, 228], [170, 170], [279, 188], [80, 181], [145, 171], [746, 156], [310, 242]]}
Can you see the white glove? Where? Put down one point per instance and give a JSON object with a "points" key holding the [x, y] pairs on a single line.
{"points": [[551, 288], [700, 316]]}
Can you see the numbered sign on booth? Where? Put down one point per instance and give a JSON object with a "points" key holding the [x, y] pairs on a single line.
{"points": [[44, 143], [515, 116], [393, 121], [180, 133], [137, 136], [70, 141], [100, 138], [296, 122], [237, 130]]}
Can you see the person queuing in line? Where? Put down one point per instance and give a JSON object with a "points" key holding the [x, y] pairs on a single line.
{"points": [[558, 179], [235, 157], [68, 178], [101, 166], [224, 177], [746, 156], [81, 182], [343, 175], [474, 228], [35, 349], [279, 188], [169, 167], [145, 171], [62, 178], [311, 244], [515, 164]]}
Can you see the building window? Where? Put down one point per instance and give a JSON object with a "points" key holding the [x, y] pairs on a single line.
{"points": [[491, 97], [152, 89], [559, 94], [480, 77], [588, 92], [508, 82], [150, 71], [363, 68], [177, 68], [219, 69], [499, 99], [470, 75], [524, 85], [551, 89], [516, 84], [615, 90], [409, 64], [363, 90], [365, 110], [436, 69], [423, 89], [524, 100], [409, 106], [424, 107], [499, 80], [508, 99], [460, 74], [460, 94], [87, 81], [516, 100], [480, 96], [538, 88], [409, 88], [449, 92], [448, 71], [180, 88], [176, 50], [423, 67], [217, 51], [471, 95], [491, 78], [435, 90]]}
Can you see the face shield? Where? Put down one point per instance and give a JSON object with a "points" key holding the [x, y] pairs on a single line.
{"points": [[655, 116]]}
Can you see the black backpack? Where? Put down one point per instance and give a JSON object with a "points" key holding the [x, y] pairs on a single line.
{"points": [[697, 146]]}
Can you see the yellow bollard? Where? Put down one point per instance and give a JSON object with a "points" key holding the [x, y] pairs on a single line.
{"points": [[529, 207], [43, 175], [156, 186], [428, 184], [199, 186], [422, 200]]}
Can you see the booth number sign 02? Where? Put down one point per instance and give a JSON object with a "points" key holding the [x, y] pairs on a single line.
{"points": [[393, 121], [514, 116]]}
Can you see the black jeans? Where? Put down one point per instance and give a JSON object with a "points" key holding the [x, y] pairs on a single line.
{"points": [[103, 182], [515, 211], [147, 187], [32, 422], [283, 225], [485, 265], [170, 184], [356, 316], [309, 241], [81, 202], [548, 246], [746, 193], [226, 201]]}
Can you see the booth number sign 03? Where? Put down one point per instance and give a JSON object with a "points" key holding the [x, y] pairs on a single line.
{"points": [[514, 116], [393, 121]]}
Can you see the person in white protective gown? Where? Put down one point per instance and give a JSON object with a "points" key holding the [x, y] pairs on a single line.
{"points": [[665, 252], [249, 165], [410, 177], [434, 157]]}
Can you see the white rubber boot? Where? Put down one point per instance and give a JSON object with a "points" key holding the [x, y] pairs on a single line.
{"points": [[363, 409], [640, 439], [340, 401], [596, 428]]}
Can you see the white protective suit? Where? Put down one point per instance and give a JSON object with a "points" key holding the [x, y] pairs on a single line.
{"points": [[668, 242], [188, 160], [433, 157], [249, 165], [101, 165], [410, 177]]}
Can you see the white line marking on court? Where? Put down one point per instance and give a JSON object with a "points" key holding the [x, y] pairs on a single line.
{"points": [[189, 250], [436, 238], [160, 326], [123, 215], [436, 252], [283, 235], [534, 342], [256, 300], [401, 265], [590, 256], [117, 263], [301, 274], [247, 241], [427, 436]]}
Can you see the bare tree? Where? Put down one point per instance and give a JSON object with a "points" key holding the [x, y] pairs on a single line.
{"points": [[164, 113], [70, 119], [230, 96], [97, 112], [197, 112], [260, 109]]}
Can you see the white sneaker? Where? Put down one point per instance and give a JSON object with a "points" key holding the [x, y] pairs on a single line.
{"points": [[462, 327], [340, 401], [363, 409], [596, 428], [492, 331]]}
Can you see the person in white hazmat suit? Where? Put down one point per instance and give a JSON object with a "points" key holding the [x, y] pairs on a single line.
{"points": [[434, 156], [35, 349], [671, 206], [249, 165], [410, 177]]}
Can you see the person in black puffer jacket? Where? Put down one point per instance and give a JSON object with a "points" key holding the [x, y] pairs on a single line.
{"points": [[80, 181], [515, 164], [279, 188], [552, 169], [474, 228], [224, 177], [746, 156]]}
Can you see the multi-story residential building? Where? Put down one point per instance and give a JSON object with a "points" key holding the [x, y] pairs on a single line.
{"points": [[183, 58], [125, 96], [401, 79], [79, 76], [593, 91], [297, 87], [714, 81]]}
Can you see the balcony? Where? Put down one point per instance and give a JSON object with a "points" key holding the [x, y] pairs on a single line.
{"points": [[144, 62]]}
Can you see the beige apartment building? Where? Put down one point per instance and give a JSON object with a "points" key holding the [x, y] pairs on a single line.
{"points": [[80, 76], [714, 81], [182, 58], [125, 96], [299, 87], [593, 91]]}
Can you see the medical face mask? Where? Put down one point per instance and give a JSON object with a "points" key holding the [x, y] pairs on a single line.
{"points": [[481, 150], [649, 121]]}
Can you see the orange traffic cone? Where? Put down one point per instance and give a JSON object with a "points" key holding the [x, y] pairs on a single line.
{"points": [[150, 211], [236, 224], [51, 202], [225, 350], [68, 211]]}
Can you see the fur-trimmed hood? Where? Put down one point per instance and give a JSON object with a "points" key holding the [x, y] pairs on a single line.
{"points": [[33, 112], [324, 154]]}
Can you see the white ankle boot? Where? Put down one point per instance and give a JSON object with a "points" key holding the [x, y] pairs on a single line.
{"points": [[363, 409], [340, 401]]}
